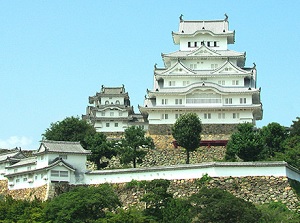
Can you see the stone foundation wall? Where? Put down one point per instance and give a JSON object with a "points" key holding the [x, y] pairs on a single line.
{"points": [[28, 193], [258, 190], [165, 129]]}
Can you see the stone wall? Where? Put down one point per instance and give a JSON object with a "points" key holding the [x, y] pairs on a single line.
{"points": [[165, 129], [28, 193], [258, 190]]}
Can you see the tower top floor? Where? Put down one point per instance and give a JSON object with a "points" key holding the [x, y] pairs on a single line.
{"points": [[193, 33]]}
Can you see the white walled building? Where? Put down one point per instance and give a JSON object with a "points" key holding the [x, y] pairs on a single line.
{"points": [[204, 77], [110, 111], [54, 161]]}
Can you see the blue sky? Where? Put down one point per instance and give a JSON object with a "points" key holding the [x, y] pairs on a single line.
{"points": [[55, 54]]}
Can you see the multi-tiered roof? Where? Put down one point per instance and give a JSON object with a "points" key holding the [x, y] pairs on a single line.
{"points": [[204, 77]]}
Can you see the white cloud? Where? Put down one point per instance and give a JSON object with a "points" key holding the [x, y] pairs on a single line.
{"points": [[16, 141]]}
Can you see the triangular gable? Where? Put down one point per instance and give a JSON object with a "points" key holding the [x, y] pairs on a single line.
{"points": [[203, 51], [229, 68], [41, 149], [60, 162], [178, 69]]}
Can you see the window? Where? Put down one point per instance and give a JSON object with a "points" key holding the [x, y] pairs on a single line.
{"points": [[235, 115], [17, 180], [29, 168], [243, 100], [120, 113], [235, 82], [54, 173], [116, 124], [178, 101], [164, 101], [177, 116], [103, 113], [164, 116], [208, 43], [63, 156], [106, 102], [215, 44], [207, 115], [189, 44], [171, 83], [63, 173], [193, 66], [195, 44], [57, 173], [185, 83], [228, 100], [107, 124], [111, 113], [24, 179], [214, 66], [221, 115], [222, 82], [117, 102], [15, 170]]}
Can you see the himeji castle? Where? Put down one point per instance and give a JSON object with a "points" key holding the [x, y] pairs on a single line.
{"points": [[204, 77]]}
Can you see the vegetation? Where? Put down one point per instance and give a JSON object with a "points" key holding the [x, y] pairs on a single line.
{"points": [[100, 148], [69, 129], [78, 130], [133, 145], [82, 204], [272, 142], [186, 131], [100, 204]]}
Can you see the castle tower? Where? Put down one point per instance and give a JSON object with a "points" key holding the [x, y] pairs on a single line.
{"points": [[204, 77]]}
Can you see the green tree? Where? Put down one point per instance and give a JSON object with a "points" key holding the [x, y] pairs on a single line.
{"points": [[82, 204], [177, 210], [295, 127], [100, 148], [132, 215], [291, 152], [133, 145], [273, 136], [215, 205], [156, 197], [186, 131], [69, 129], [276, 212], [246, 143]]}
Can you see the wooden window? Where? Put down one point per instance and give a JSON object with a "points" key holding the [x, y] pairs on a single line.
{"points": [[235, 115], [228, 100], [243, 100]]}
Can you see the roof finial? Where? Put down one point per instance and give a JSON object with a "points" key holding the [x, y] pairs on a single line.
{"points": [[180, 18], [226, 17], [254, 65], [155, 65]]}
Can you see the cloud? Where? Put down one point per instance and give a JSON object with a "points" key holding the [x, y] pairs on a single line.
{"points": [[15, 141]]}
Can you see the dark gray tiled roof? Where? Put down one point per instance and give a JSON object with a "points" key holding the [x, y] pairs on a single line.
{"points": [[61, 147], [23, 162]]}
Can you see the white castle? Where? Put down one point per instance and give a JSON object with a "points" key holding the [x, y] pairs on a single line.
{"points": [[203, 76]]}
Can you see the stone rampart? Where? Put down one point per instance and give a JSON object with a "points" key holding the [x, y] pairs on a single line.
{"points": [[207, 129], [27, 193]]}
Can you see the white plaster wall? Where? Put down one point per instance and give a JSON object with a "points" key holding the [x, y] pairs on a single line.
{"points": [[222, 42], [191, 172]]}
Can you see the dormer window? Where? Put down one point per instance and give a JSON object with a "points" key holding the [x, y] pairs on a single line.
{"points": [[106, 102], [117, 102]]}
